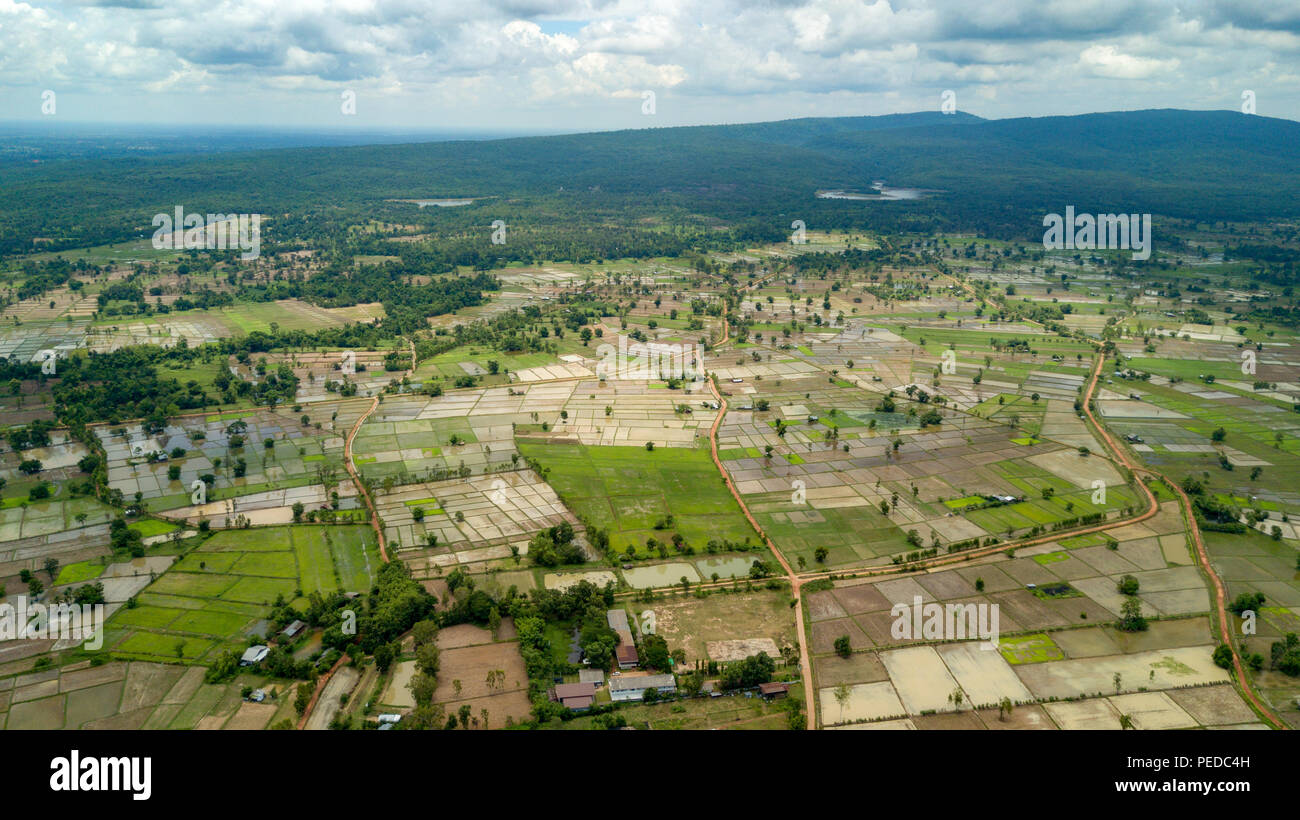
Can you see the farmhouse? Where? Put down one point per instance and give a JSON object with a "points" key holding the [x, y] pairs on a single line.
{"points": [[254, 654], [633, 687], [625, 654], [293, 629], [576, 696]]}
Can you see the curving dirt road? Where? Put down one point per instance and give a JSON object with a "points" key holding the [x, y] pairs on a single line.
{"points": [[1242, 681], [374, 523], [805, 658], [352, 469], [1118, 454]]}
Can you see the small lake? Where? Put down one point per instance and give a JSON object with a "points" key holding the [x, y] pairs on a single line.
{"points": [[444, 203], [725, 567], [563, 580], [879, 194], [438, 203], [660, 575]]}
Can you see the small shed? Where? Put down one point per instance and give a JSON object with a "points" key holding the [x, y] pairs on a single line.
{"points": [[774, 691]]}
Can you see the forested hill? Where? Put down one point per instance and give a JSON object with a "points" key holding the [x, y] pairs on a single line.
{"points": [[990, 175]]}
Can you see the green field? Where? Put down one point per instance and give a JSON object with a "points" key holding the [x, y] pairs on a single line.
{"points": [[79, 572], [149, 527], [1036, 648], [629, 489], [210, 598]]}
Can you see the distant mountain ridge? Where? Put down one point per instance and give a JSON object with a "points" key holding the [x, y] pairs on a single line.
{"points": [[994, 175]]}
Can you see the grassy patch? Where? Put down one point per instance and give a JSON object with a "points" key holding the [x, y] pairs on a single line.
{"points": [[1036, 648], [79, 572], [629, 489]]}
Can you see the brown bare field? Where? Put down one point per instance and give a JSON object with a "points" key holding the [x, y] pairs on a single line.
{"points": [[251, 716], [124, 721], [1214, 705], [825, 633], [692, 623], [470, 666], [38, 714], [93, 703], [163, 715], [1092, 642], [861, 598], [944, 585], [514, 705], [186, 686], [861, 667], [960, 721], [146, 683], [1165, 635], [823, 606], [91, 676], [1021, 717], [454, 637]]}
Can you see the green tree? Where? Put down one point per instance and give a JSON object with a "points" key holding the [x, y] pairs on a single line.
{"points": [[1131, 619], [842, 695], [843, 646]]}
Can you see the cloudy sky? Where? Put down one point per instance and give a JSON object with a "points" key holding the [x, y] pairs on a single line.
{"points": [[547, 65]]}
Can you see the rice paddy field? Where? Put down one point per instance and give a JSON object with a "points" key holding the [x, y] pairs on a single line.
{"points": [[984, 443], [210, 600], [125, 695], [629, 489], [214, 444]]}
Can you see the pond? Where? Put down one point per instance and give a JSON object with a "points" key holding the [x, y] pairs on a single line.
{"points": [[443, 203], [437, 203], [660, 575], [736, 566], [880, 193], [562, 581]]}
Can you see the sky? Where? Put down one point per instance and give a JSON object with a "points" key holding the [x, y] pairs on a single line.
{"points": [[542, 66]]}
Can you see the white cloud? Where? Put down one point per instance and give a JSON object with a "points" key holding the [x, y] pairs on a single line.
{"points": [[1109, 61], [510, 61]]}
